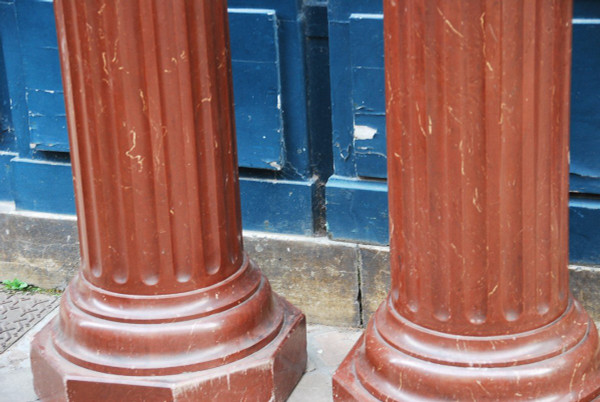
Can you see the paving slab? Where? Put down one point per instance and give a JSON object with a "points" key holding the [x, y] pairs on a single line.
{"points": [[19, 312], [327, 347], [16, 380]]}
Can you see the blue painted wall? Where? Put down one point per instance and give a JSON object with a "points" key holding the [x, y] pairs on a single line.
{"points": [[585, 134], [310, 117], [356, 194]]}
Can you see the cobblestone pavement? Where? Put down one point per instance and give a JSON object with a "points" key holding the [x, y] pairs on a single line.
{"points": [[22, 315]]}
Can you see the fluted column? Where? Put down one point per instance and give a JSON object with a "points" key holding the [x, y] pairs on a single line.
{"points": [[167, 305], [154, 155], [478, 163]]}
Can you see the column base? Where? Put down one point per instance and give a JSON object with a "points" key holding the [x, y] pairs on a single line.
{"points": [[251, 349], [396, 360]]}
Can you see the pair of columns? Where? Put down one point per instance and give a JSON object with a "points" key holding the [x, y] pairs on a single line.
{"points": [[167, 305]]}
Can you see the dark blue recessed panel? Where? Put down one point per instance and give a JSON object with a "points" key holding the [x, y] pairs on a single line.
{"points": [[43, 84], [584, 233], [5, 175], [368, 94], [319, 98], [585, 106], [257, 89]]}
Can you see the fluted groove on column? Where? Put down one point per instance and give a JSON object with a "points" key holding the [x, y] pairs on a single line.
{"points": [[481, 242], [154, 117]]}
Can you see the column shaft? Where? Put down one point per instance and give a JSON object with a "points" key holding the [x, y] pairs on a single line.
{"points": [[154, 156], [479, 172]]}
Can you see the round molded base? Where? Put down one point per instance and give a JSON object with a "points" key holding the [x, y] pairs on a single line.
{"points": [[395, 360], [232, 341]]}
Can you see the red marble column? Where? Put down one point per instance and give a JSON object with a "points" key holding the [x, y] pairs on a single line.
{"points": [[478, 159], [167, 305]]}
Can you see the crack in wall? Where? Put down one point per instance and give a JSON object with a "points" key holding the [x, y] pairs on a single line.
{"points": [[359, 265]]}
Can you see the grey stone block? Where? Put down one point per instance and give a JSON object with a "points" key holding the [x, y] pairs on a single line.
{"points": [[43, 251], [374, 278], [318, 276], [585, 285]]}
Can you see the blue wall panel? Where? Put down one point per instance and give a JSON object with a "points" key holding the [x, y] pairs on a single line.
{"points": [[7, 136], [43, 84], [584, 236], [5, 175], [368, 94], [15, 136], [257, 88], [295, 126], [585, 102], [14, 123], [43, 186]]}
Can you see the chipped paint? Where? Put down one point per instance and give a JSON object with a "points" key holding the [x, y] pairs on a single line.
{"points": [[364, 133]]}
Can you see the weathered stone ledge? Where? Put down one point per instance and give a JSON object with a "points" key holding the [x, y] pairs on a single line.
{"points": [[333, 282]]}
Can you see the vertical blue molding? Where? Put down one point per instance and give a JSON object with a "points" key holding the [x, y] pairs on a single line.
{"points": [[318, 104], [356, 205], [585, 99], [584, 208], [14, 112]]}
